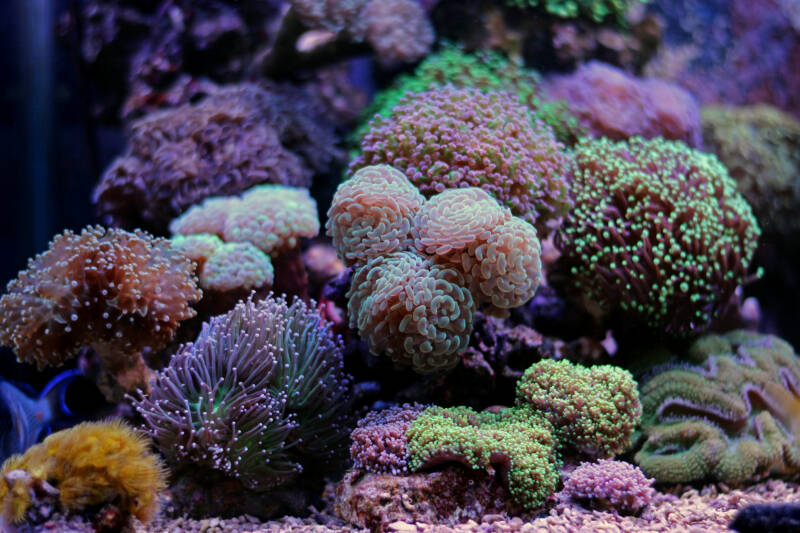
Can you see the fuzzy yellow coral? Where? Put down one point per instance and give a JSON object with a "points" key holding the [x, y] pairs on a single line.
{"points": [[90, 464]]}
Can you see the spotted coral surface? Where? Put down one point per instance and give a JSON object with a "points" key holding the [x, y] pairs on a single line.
{"points": [[659, 232], [730, 413], [610, 485], [597, 408], [380, 440], [398, 30], [257, 397], [448, 138]]}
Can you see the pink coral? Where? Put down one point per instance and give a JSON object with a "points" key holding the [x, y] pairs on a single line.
{"points": [[610, 484], [379, 440], [398, 30]]}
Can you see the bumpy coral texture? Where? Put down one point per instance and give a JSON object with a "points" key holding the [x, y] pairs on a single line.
{"points": [[610, 484], [760, 146], [116, 291], [257, 397], [597, 10], [372, 214], [413, 310], [733, 415], [338, 16], [448, 138], [610, 103], [90, 464], [236, 138], [516, 442], [597, 408], [197, 247], [398, 30], [659, 232], [379, 440]]}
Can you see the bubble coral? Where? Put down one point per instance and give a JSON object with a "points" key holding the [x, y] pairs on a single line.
{"points": [[596, 408], [118, 292], [258, 398], [379, 440], [610, 484], [597, 10], [730, 413], [610, 103], [518, 443], [238, 137], [88, 465], [413, 310], [658, 232], [760, 146], [449, 138]]}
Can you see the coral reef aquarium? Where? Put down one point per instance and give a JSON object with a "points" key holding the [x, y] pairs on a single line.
{"points": [[400, 266]]}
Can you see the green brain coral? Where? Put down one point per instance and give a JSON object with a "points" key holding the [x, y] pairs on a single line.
{"points": [[732, 417], [597, 10]]}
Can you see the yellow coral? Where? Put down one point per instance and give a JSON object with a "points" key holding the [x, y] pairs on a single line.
{"points": [[90, 464]]}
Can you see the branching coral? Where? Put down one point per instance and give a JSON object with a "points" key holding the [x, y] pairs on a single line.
{"points": [[610, 484], [597, 10], [380, 439], [733, 417], [256, 398], [516, 442], [118, 292], [610, 103], [760, 146], [86, 466], [450, 138], [236, 138], [597, 408], [413, 310], [659, 232]]}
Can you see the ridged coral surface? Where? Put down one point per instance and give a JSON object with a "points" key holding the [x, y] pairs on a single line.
{"points": [[448, 138], [658, 233]]}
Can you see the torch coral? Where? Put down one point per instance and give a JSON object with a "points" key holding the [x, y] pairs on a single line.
{"points": [[658, 232], [259, 396], [610, 484], [734, 417], [417, 312], [610, 103], [597, 10], [118, 292], [88, 465], [760, 146], [517, 442], [236, 138], [379, 440], [597, 408], [449, 138]]}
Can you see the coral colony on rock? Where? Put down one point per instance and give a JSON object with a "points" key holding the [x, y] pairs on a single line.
{"points": [[532, 262]]}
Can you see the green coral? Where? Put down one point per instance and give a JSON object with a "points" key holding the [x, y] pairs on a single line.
{"points": [[733, 417], [597, 10], [760, 146], [518, 442], [597, 408], [484, 70]]}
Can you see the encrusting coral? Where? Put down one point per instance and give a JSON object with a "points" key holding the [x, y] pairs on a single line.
{"points": [[257, 399], [84, 467], [118, 292], [449, 138], [658, 233], [609, 484], [732, 414]]}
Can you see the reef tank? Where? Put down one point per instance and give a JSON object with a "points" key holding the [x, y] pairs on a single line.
{"points": [[400, 266]]}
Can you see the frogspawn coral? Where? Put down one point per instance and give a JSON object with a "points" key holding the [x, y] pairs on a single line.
{"points": [[449, 138], [731, 415], [118, 292], [257, 399], [84, 467], [658, 233]]}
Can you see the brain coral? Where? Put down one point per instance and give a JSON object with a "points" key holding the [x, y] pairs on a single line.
{"points": [[597, 408], [236, 138], [415, 311], [732, 416], [760, 146], [610, 484], [449, 138], [379, 440], [118, 292], [610, 103], [517, 442], [372, 214], [258, 397], [658, 232], [597, 10]]}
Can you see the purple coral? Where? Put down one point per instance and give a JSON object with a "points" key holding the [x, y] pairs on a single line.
{"points": [[379, 440], [610, 484]]}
